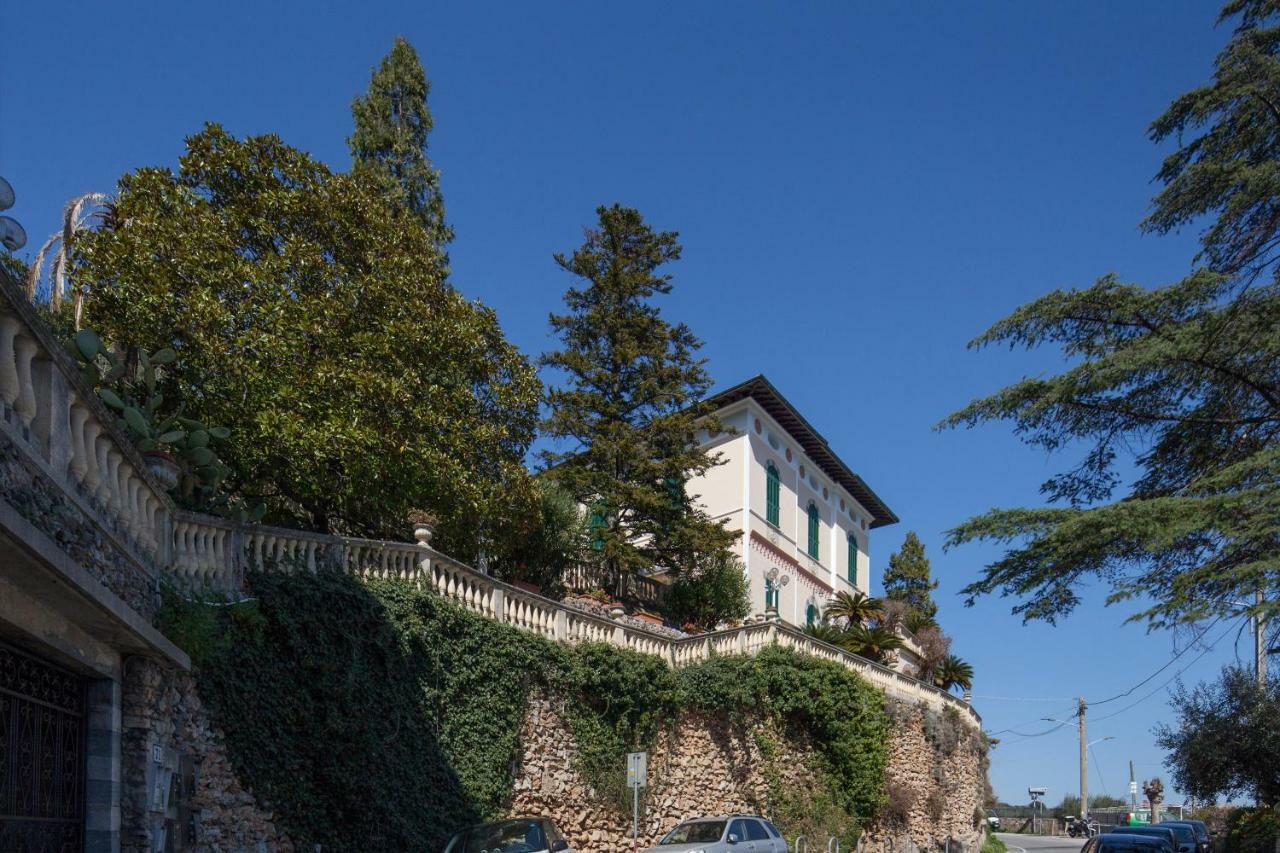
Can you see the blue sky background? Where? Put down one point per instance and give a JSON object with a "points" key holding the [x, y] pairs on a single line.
{"points": [[860, 189]]}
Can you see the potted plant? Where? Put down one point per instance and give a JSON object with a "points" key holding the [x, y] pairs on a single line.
{"points": [[424, 526], [649, 616]]}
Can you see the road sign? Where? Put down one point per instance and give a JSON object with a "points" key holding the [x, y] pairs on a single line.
{"points": [[1133, 787], [637, 769]]}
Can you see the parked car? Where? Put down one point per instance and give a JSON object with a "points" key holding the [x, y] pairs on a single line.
{"points": [[1166, 833], [993, 821], [1204, 844], [1116, 842], [728, 834], [518, 835]]}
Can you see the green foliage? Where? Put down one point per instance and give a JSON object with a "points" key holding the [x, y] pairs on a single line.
{"points": [[907, 577], [1226, 739], [873, 642], [992, 844], [372, 715], [1252, 830], [311, 317], [953, 672], [709, 596], [128, 382], [1185, 379], [1227, 162], [630, 407], [853, 607], [548, 543], [389, 145]]}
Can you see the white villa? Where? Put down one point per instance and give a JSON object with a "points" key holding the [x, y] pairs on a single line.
{"points": [[806, 518]]}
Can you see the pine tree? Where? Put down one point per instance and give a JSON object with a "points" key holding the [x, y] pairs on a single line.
{"points": [[389, 145], [907, 578], [631, 408], [1181, 380]]}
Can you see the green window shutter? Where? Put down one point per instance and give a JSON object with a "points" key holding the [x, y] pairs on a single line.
{"points": [[810, 615], [596, 525], [853, 559], [772, 504], [813, 530], [770, 594]]}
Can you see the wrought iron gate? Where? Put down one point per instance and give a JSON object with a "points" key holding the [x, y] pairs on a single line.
{"points": [[42, 756]]}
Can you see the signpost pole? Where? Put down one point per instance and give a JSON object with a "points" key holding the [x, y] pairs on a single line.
{"points": [[637, 777], [635, 819]]}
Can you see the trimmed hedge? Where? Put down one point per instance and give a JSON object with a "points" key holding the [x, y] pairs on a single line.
{"points": [[375, 715]]}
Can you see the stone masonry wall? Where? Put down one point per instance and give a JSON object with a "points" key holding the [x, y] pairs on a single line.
{"points": [[161, 709], [710, 766]]}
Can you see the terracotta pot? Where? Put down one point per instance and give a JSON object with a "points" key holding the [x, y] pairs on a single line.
{"points": [[527, 587], [163, 466], [650, 618]]}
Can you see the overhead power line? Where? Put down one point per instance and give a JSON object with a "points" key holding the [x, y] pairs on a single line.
{"points": [[1167, 664]]}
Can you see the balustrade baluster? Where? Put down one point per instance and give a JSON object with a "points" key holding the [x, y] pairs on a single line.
{"points": [[25, 350]]}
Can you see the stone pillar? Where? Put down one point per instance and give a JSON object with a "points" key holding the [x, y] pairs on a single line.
{"points": [[102, 777], [562, 625]]}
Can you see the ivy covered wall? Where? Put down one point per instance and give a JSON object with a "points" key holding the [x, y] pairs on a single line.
{"points": [[373, 715]]}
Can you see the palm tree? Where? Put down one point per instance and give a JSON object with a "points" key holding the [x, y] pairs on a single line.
{"points": [[952, 673], [826, 633], [80, 214], [854, 608], [873, 643], [915, 621]]}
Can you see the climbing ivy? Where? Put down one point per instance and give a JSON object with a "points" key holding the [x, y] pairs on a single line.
{"points": [[375, 715]]}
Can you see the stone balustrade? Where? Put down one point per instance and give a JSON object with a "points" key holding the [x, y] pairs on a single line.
{"points": [[68, 437], [65, 448]]}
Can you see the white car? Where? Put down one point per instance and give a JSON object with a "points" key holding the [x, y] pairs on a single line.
{"points": [[993, 821], [728, 834]]}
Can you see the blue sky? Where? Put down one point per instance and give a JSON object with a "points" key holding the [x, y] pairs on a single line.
{"points": [[860, 189]]}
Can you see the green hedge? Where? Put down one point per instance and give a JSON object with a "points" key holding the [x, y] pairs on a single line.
{"points": [[374, 715]]}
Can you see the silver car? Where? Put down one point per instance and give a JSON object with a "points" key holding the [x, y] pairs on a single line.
{"points": [[729, 834]]}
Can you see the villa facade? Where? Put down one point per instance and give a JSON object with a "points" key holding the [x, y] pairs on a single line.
{"points": [[805, 517]]}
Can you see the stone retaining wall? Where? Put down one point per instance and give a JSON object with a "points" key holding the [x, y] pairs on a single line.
{"points": [[710, 765], [161, 711]]}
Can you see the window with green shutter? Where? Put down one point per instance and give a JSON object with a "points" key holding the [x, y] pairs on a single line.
{"points": [[813, 530], [772, 488], [810, 615], [853, 559], [596, 525]]}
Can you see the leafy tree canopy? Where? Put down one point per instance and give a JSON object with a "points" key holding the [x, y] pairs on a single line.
{"points": [[1184, 380], [630, 407], [312, 321], [907, 577], [389, 145], [1226, 739]]}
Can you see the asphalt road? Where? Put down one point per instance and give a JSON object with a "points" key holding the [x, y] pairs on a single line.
{"points": [[1039, 843]]}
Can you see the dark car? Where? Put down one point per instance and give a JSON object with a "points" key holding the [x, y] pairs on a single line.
{"points": [[1115, 842], [518, 835], [1165, 833], [1204, 844], [1186, 833]]}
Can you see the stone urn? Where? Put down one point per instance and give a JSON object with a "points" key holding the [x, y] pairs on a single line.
{"points": [[616, 610], [164, 467], [422, 532]]}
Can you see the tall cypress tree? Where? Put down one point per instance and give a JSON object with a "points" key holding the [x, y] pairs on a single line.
{"points": [[630, 408], [907, 577], [389, 145]]}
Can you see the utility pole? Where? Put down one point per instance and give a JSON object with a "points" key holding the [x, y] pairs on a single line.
{"points": [[1133, 788], [1084, 767]]}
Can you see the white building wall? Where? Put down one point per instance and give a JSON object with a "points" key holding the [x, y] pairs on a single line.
{"points": [[736, 492]]}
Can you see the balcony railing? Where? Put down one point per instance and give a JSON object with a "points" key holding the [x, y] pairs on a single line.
{"points": [[63, 433]]}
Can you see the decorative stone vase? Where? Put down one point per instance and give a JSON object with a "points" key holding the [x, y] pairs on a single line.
{"points": [[771, 614], [616, 610], [422, 531], [163, 467]]}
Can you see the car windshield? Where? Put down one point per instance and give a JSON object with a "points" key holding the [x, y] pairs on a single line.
{"points": [[1123, 847], [510, 836], [694, 832], [1183, 831]]}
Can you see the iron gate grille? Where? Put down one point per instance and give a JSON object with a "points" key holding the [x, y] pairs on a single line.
{"points": [[42, 756]]}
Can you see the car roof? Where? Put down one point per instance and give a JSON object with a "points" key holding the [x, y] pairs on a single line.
{"points": [[1132, 837]]}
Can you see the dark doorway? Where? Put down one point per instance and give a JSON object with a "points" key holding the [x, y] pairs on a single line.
{"points": [[42, 755]]}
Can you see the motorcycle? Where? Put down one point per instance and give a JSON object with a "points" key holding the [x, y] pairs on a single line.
{"points": [[1077, 828]]}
